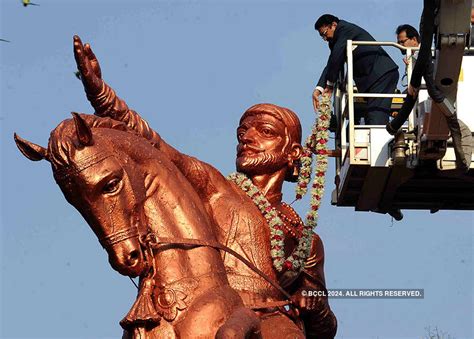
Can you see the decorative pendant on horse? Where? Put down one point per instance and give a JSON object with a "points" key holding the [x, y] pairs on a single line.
{"points": [[174, 297]]}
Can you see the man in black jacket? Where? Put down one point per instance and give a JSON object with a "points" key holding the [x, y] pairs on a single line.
{"points": [[374, 70]]}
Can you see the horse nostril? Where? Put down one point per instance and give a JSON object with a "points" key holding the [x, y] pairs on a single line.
{"points": [[133, 257]]}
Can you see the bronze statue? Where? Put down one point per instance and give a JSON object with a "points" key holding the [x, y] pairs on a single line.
{"points": [[209, 212]]}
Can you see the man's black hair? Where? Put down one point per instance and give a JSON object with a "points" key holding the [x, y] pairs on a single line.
{"points": [[325, 20], [409, 30]]}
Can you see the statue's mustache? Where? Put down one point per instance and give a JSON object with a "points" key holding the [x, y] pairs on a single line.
{"points": [[262, 159], [242, 148]]}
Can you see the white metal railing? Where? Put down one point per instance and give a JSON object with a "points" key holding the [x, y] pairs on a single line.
{"points": [[348, 122]]}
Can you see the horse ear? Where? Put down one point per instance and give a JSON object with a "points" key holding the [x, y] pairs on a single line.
{"points": [[83, 131], [30, 150]]}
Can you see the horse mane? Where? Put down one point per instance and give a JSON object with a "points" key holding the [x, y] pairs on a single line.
{"points": [[63, 141]]}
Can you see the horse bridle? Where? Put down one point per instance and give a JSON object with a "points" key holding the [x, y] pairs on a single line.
{"points": [[114, 238], [108, 241]]}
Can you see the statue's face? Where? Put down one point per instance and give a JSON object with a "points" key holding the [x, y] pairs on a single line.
{"points": [[264, 145]]}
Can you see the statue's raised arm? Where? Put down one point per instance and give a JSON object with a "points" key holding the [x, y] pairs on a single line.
{"points": [[107, 104], [103, 98]]}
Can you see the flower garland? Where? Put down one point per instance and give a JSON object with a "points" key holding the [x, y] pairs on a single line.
{"points": [[315, 143], [295, 261]]}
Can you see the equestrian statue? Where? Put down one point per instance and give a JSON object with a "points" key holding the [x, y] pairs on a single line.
{"points": [[215, 256]]}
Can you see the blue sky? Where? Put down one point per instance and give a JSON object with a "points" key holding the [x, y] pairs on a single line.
{"points": [[191, 68]]}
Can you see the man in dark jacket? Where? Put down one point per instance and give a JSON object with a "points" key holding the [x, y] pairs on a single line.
{"points": [[374, 70]]}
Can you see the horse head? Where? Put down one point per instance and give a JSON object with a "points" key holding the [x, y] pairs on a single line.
{"points": [[100, 181]]}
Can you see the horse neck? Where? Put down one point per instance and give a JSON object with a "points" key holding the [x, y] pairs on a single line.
{"points": [[174, 210]]}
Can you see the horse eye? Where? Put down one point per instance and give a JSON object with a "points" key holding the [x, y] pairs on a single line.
{"points": [[111, 186]]}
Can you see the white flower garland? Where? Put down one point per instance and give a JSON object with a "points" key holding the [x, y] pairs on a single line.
{"points": [[315, 143], [295, 261]]}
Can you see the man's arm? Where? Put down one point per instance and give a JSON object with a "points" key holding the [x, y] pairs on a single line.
{"points": [[319, 89], [322, 80], [338, 53]]}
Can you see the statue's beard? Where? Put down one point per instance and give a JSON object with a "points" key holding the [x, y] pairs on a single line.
{"points": [[261, 163]]}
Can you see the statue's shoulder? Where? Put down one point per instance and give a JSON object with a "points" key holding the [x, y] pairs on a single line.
{"points": [[200, 174], [317, 248]]}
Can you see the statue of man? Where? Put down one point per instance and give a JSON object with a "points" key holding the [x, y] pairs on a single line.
{"points": [[268, 152]]}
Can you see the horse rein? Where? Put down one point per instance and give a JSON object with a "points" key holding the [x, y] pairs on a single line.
{"points": [[152, 241]]}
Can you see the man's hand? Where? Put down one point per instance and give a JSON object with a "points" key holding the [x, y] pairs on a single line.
{"points": [[316, 95], [405, 60], [412, 91], [88, 67], [328, 91]]}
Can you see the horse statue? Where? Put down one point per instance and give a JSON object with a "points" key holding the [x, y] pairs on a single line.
{"points": [[129, 192]]}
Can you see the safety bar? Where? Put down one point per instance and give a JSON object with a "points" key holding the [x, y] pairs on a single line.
{"points": [[351, 45], [378, 95]]}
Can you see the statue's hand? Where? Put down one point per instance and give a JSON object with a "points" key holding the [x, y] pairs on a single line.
{"points": [[88, 66], [307, 303]]}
